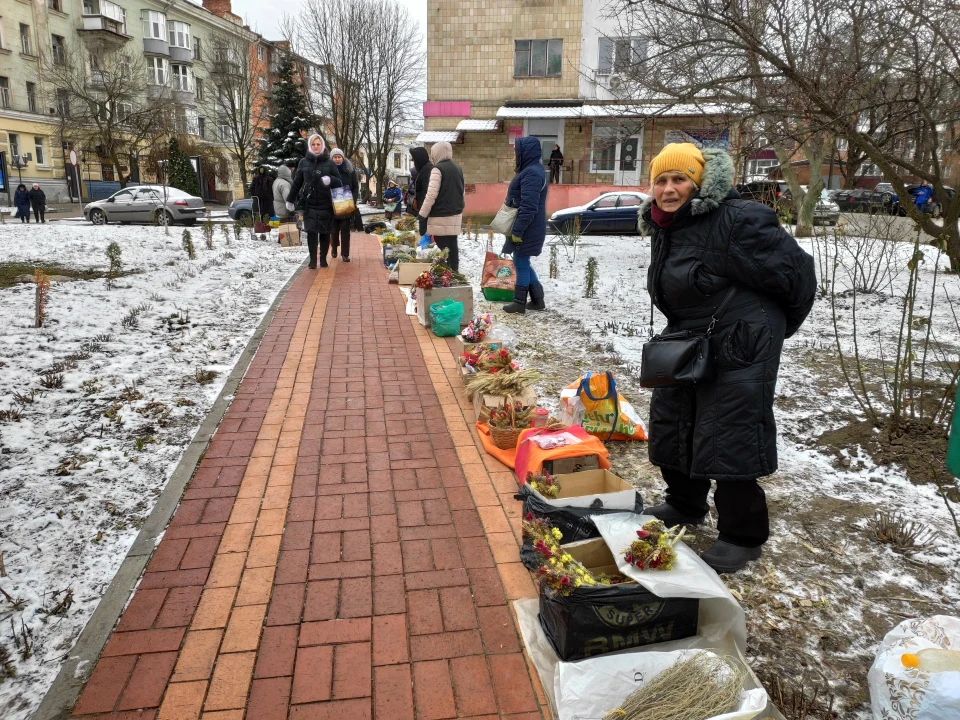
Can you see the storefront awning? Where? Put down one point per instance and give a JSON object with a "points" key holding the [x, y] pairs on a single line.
{"points": [[434, 136], [612, 111], [478, 125]]}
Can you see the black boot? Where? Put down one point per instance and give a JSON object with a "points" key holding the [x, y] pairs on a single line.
{"points": [[519, 304], [536, 297], [671, 516], [726, 557]]}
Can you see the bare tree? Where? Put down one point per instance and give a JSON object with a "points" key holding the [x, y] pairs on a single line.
{"points": [[819, 68], [109, 102], [235, 102]]}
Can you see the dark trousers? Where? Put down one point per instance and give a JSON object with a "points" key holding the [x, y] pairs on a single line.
{"points": [[341, 235], [554, 173], [741, 506], [313, 240], [38, 214], [445, 242]]}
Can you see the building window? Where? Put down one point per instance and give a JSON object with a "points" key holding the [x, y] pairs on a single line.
{"points": [[537, 58], [224, 128], [187, 121], [198, 88], [63, 103], [106, 172], [178, 34], [32, 97], [59, 48], [758, 169], [842, 145], [868, 168], [154, 25], [619, 54], [946, 171], [41, 155], [54, 5], [197, 52], [181, 77], [603, 148], [202, 127], [260, 53], [262, 83], [14, 141], [157, 71], [25, 47], [396, 160], [4, 92]]}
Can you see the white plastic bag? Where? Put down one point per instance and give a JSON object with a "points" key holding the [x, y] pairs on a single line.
{"points": [[901, 693]]}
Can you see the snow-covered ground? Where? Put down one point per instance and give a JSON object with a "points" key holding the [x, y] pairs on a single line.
{"points": [[826, 591], [81, 469]]}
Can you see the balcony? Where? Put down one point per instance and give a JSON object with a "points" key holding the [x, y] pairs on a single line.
{"points": [[104, 24]]}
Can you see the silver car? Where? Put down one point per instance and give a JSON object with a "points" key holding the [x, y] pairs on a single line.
{"points": [[147, 204]]}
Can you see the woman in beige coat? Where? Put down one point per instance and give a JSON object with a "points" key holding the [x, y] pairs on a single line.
{"points": [[443, 206]]}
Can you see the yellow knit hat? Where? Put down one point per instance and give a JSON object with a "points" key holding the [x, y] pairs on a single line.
{"points": [[684, 158]]}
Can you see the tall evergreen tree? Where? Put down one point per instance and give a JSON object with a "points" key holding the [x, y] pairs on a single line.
{"points": [[180, 173], [283, 140]]}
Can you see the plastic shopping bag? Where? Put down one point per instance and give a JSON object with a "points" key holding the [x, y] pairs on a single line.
{"points": [[445, 317], [343, 204], [499, 276], [593, 402]]}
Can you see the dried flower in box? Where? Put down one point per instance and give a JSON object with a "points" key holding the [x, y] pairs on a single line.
{"points": [[558, 571], [512, 416], [497, 359], [545, 484], [477, 329], [653, 548]]}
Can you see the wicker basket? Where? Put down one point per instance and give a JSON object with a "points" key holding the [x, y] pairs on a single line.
{"points": [[506, 438]]}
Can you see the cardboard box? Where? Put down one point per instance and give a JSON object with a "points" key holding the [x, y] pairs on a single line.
{"points": [[482, 403], [460, 293], [591, 483], [289, 235], [463, 346], [594, 555], [571, 465], [408, 272]]}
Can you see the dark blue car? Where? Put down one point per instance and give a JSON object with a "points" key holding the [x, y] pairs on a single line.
{"points": [[613, 213]]}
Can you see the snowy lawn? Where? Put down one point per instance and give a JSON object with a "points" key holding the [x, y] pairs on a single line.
{"points": [[825, 591], [140, 366]]}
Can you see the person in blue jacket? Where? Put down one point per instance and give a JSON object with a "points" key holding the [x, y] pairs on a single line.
{"points": [[527, 193], [922, 195], [22, 202], [393, 196]]}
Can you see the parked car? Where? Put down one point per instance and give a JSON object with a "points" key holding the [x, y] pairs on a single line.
{"points": [[826, 210], [768, 192], [868, 201], [241, 210], [146, 203], [612, 213]]}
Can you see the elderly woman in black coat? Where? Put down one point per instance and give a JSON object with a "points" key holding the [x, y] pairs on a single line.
{"points": [[311, 196], [705, 241]]}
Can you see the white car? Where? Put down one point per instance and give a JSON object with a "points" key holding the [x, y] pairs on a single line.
{"points": [[147, 204]]}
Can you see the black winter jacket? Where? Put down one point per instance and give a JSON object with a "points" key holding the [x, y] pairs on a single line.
{"points": [[262, 189], [38, 199], [725, 429], [450, 199], [310, 196], [421, 161]]}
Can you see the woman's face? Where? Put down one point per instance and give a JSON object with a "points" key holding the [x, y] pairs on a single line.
{"points": [[671, 190], [338, 159], [316, 145]]}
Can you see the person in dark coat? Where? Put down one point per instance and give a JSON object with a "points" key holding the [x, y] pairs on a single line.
{"points": [[341, 225], [527, 193], [420, 180], [556, 162], [392, 196], [262, 189], [704, 241], [310, 195], [38, 201], [21, 200]]}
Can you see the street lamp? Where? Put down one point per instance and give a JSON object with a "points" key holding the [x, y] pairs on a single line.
{"points": [[20, 162]]}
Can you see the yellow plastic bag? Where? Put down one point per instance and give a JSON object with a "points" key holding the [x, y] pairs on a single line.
{"points": [[593, 402]]}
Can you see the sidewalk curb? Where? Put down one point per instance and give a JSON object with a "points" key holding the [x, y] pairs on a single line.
{"points": [[62, 695]]}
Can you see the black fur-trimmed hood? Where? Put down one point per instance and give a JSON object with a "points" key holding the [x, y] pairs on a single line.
{"points": [[718, 174]]}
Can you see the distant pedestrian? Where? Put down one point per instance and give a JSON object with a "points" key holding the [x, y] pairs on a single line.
{"points": [[556, 162], [21, 199], [443, 204], [38, 201], [922, 195], [310, 195], [262, 189], [392, 200], [527, 193], [341, 225], [420, 180], [281, 188]]}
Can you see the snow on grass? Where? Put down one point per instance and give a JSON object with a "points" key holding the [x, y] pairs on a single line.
{"points": [[82, 469]]}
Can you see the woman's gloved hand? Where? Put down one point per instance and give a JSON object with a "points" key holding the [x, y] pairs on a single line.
{"points": [[325, 179], [290, 207], [516, 239]]}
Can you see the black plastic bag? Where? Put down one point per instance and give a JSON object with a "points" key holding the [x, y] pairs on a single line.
{"points": [[596, 620], [573, 522]]}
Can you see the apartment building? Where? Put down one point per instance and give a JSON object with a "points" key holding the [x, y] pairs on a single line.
{"points": [[500, 69]]}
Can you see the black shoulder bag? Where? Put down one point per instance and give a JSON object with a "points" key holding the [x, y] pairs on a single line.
{"points": [[681, 358]]}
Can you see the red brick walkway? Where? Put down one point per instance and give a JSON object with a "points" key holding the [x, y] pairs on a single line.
{"points": [[329, 559]]}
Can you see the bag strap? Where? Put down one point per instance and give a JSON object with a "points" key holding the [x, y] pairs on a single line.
{"points": [[722, 309]]}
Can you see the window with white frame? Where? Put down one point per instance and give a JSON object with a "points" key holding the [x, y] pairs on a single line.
{"points": [[178, 34], [537, 58], [181, 76], [197, 49], [187, 121], [603, 147], [63, 102], [202, 127], [39, 146], [58, 47], [842, 144], [223, 127], [619, 54], [32, 97], [758, 169], [396, 160], [124, 111], [14, 141], [154, 25], [868, 168], [4, 92], [262, 82], [26, 47], [261, 53], [198, 88], [158, 70]]}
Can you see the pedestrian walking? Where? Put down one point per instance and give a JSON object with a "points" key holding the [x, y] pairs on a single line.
{"points": [[281, 188], [922, 195], [38, 201], [556, 162], [262, 189], [341, 225], [21, 200], [527, 193], [420, 179], [443, 204], [392, 200], [727, 263], [310, 195]]}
